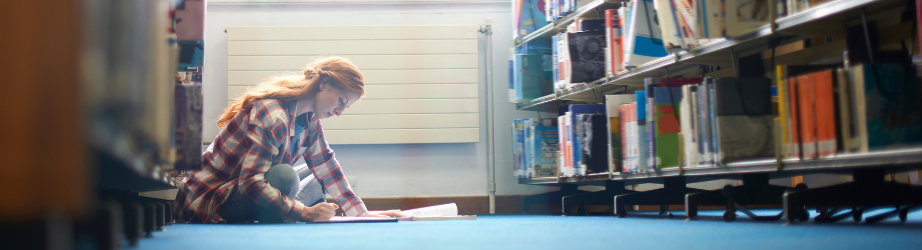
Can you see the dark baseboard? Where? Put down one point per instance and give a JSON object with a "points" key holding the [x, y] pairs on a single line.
{"points": [[505, 204]]}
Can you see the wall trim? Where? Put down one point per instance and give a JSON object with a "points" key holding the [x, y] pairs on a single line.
{"points": [[505, 204]]}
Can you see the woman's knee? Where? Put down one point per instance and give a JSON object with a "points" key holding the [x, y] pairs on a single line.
{"points": [[284, 178]]}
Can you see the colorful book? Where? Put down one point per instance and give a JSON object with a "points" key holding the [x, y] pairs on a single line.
{"points": [[666, 127], [544, 146], [528, 16]]}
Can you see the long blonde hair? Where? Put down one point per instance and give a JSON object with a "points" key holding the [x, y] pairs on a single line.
{"points": [[340, 72]]}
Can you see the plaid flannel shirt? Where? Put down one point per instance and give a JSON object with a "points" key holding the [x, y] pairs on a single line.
{"points": [[256, 139]]}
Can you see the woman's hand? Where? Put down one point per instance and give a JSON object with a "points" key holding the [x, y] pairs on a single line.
{"points": [[321, 211], [386, 213]]}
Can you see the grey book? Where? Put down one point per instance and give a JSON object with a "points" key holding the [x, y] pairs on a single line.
{"points": [[744, 124]]}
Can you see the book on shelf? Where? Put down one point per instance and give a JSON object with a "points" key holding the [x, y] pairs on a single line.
{"points": [[528, 16], [824, 107], [711, 18], [639, 115], [887, 110], [562, 145], [807, 116], [512, 89], [587, 56], [613, 104], [577, 167], [678, 23], [650, 131], [614, 48], [705, 144], [744, 16], [687, 124], [791, 112], [843, 98], [624, 123], [666, 129], [562, 53], [743, 118], [593, 143], [534, 148], [643, 38], [518, 148], [542, 147], [530, 79], [632, 162]]}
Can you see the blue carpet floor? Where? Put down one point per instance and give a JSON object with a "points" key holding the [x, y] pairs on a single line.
{"points": [[641, 230]]}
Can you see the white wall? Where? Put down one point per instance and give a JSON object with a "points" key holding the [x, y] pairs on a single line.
{"points": [[408, 170]]}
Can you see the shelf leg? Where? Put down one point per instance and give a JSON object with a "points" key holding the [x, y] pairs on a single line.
{"points": [[672, 193], [134, 222], [603, 197], [549, 199], [868, 189]]}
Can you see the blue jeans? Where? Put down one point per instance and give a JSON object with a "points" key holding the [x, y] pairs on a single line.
{"points": [[295, 182]]}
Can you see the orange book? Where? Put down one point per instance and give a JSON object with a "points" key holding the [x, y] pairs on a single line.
{"points": [[793, 121], [806, 97], [825, 113]]}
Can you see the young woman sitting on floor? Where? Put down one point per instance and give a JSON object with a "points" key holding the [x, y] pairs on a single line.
{"points": [[247, 173]]}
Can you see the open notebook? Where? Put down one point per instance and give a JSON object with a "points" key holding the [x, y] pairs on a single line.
{"points": [[438, 212]]}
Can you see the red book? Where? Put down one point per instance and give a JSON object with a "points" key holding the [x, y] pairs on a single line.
{"points": [[825, 113], [806, 100]]}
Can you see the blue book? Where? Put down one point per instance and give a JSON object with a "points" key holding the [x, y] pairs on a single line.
{"points": [[555, 74], [545, 149], [535, 49], [530, 82]]}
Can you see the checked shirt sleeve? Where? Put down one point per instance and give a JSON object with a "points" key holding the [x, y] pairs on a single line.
{"points": [[264, 135], [323, 164]]}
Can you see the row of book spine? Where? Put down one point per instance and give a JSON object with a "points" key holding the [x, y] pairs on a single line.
{"points": [[535, 148], [806, 112], [637, 32]]}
